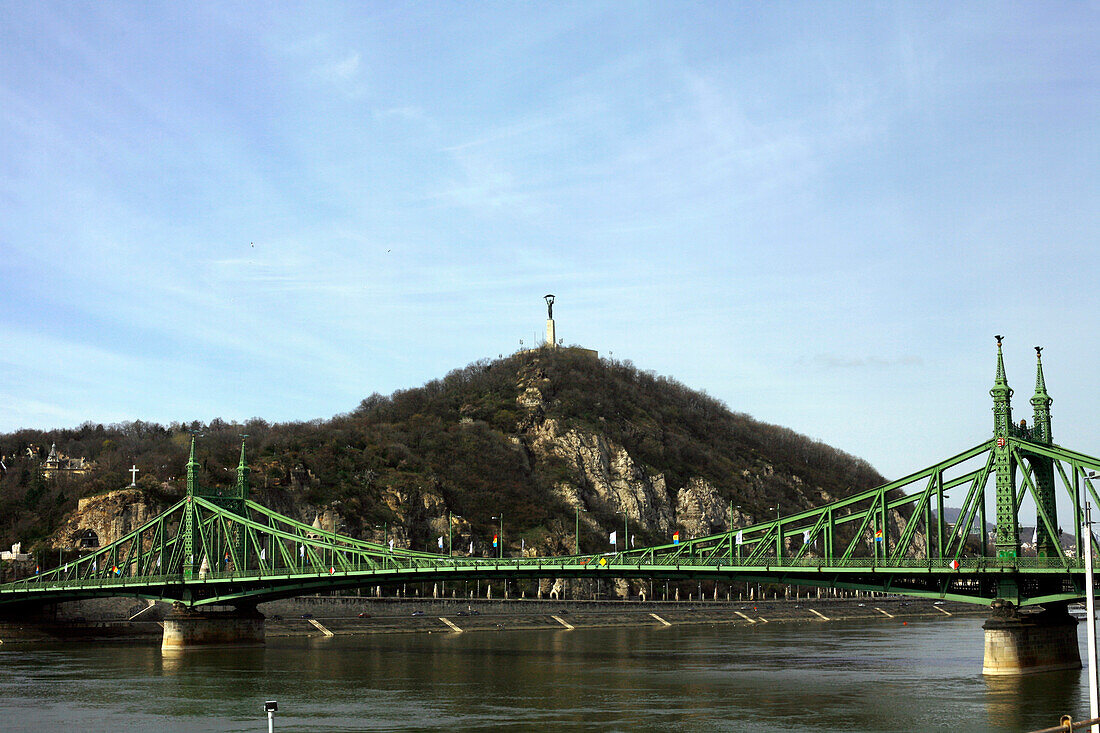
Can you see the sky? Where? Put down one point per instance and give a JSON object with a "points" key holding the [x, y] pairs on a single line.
{"points": [[819, 213]]}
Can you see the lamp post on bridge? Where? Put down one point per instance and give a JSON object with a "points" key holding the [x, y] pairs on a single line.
{"points": [[450, 525], [731, 532], [500, 537], [778, 532], [577, 536]]}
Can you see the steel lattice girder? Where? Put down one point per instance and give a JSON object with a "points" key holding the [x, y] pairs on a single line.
{"points": [[259, 554]]}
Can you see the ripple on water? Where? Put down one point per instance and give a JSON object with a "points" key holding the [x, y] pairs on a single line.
{"points": [[877, 676]]}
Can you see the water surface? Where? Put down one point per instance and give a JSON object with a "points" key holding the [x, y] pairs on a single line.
{"points": [[851, 676]]}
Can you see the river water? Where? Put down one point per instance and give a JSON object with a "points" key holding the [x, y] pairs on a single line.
{"points": [[850, 676]]}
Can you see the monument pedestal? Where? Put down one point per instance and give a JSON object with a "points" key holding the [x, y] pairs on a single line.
{"points": [[1028, 643], [185, 628]]}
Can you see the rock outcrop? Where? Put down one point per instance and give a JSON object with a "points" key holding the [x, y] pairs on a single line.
{"points": [[605, 477], [100, 520]]}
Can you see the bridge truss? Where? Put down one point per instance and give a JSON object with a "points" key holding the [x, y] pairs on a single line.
{"points": [[217, 546]]}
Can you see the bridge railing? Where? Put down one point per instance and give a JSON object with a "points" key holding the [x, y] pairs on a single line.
{"points": [[550, 566]]}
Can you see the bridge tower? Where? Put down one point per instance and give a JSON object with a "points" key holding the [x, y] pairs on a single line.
{"points": [[240, 545], [1008, 531], [185, 627], [242, 476], [1047, 544], [189, 517]]}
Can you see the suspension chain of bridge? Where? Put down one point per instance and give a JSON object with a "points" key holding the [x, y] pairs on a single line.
{"points": [[217, 546]]}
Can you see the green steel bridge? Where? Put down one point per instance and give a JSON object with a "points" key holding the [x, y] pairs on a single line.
{"points": [[218, 547]]}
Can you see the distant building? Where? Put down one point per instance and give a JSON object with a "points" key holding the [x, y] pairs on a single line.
{"points": [[58, 463], [16, 553]]}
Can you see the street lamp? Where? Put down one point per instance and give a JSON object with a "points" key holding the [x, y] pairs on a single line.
{"points": [[270, 707], [577, 541], [731, 530], [778, 532], [450, 524], [1090, 613], [500, 537]]}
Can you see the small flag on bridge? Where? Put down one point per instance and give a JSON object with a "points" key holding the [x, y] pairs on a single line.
{"points": [[440, 542], [36, 570], [494, 540], [613, 539], [740, 537], [116, 571], [227, 557], [878, 535], [263, 553], [331, 570], [471, 547], [676, 537]]}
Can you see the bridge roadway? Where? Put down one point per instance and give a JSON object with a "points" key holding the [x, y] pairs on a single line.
{"points": [[974, 582]]}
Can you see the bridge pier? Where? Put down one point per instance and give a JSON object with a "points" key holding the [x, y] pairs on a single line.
{"points": [[185, 627], [1028, 643]]}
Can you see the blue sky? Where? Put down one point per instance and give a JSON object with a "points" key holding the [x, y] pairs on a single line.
{"points": [[818, 213]]}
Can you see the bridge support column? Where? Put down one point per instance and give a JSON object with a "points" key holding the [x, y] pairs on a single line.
{"points": [[1027, 643], [185, 628]]}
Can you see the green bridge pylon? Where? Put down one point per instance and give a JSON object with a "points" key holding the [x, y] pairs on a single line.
{"points": [[218, 546]]}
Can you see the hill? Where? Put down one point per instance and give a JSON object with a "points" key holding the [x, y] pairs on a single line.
{"points": [[543, 438]]}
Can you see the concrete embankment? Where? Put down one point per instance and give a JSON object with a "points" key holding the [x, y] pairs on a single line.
{"points": [[118, 619], [339, 616]]}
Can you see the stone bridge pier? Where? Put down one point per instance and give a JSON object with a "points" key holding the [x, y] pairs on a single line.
{"points": [[1019, 643], [187, 627]]}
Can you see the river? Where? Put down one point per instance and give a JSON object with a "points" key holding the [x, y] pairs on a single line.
{"points": [[849, 676]]}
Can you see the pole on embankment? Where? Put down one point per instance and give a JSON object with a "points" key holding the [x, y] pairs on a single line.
{"points": [[1090, 619]]}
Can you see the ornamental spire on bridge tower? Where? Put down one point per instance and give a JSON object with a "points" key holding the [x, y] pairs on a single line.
{"points": [[1008, 533], [242, 473], [1047, 544], [191, 468], [1041, 402]]}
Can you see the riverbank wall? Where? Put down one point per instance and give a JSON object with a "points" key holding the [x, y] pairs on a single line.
{"points": [[120, 619]]}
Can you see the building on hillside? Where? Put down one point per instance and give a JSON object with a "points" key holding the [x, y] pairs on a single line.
{"points": [[57, 463], [16, 554]]}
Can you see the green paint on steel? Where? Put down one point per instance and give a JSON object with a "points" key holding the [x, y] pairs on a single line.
{"points": [[1047, 542], [1007, 532]]}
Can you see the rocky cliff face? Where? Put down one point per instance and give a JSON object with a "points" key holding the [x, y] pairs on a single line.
{"points": [[605, 477], [100, 520]]}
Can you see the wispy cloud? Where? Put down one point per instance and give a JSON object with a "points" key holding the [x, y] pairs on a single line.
{"points": [[832, 361], [758, 184], [346, 68]]}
